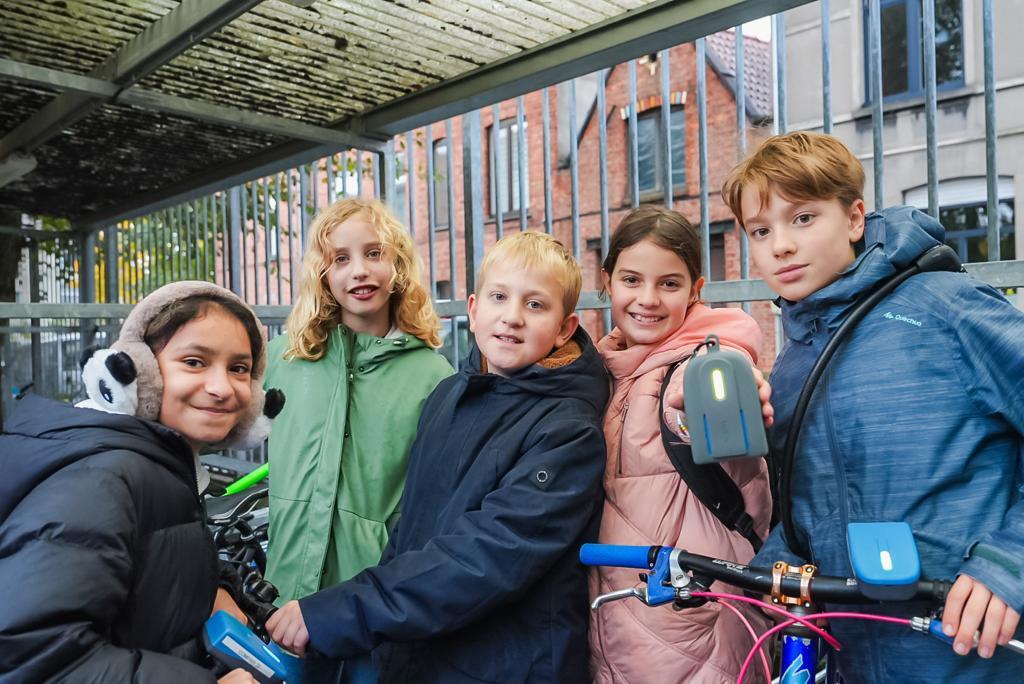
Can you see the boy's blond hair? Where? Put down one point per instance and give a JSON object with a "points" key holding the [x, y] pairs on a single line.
{"points": [[533, 250], [801, 166], [316, 312]]}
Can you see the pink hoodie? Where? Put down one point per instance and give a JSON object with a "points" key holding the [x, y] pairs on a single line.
{"points": [[648, 503]]}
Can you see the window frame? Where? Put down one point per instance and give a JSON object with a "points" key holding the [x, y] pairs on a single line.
{"points": [[441, 188], [915, 57], [509, 127], [658, 191]]}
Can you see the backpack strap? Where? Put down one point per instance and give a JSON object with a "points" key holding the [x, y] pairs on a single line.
{"points": [[710, 483]]}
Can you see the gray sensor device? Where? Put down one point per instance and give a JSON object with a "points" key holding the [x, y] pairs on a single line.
{"points": [[723, 412]]}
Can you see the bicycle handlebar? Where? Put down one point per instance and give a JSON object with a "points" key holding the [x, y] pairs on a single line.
{"points": [[821, 587]]}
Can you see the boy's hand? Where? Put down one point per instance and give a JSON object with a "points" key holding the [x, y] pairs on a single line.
{"points": [[287, 628], [674, 397], [968, 604]]}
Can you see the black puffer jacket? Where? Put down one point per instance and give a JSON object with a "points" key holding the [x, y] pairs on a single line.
{"points": [[107, 570]]}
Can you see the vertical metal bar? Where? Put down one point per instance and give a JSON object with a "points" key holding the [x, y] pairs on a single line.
{"points": [[278, 233], [111, 274], [266, 238], [931, 140], [452, 233], [634, 140], [378, 179], [179, 246], [473, 192], [33, 295], [602, 161], [431, 209], [702, 143], [330, 178], [875, 72], [303, 208], [345, 157], [235, 239], [497, 172], [666, 128], [574, 170], [410, 186], [359, 172], [387, 183], [87, 286], [826, 67], [450, 173], [523, 160], [225, 238], [779, 40], [165, 249], [254, 199], [294, 241], [741, 142], [190, 221], [546, 125], [206, 236], [991, 169], [314, 185]]}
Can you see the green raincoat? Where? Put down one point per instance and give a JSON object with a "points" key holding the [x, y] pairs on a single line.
{"points": [[339, 451]]}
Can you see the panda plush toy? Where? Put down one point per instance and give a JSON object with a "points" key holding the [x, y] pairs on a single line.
{"points": [[110, 381], [126, 377]]}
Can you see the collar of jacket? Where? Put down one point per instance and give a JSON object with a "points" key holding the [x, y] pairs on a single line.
{"points": [[585, 377], [733, 327], [371, 349], [893, 239]]}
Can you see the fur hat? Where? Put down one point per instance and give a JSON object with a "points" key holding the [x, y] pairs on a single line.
{"points": [[254, 425]]}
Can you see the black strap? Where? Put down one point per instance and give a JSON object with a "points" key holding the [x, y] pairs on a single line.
{"points": [[709, 483]]}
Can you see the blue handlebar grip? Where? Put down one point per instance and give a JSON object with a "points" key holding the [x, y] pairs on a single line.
{"points": [[616, 556], [935, 629]]}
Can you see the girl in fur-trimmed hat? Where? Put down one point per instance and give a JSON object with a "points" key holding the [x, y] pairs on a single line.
{"points": [[107, 569]]}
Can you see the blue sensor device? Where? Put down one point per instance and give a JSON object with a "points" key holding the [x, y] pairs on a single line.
{"points": [[884, 559], [723, 411], [236, 646]]}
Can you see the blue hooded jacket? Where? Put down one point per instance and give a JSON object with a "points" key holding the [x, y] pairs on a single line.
{"points": [[481, 581], [919, 418]]}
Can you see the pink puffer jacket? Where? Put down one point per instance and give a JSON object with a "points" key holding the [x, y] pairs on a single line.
{"points": [[648, 503]]}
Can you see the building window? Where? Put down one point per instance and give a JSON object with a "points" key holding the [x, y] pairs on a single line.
{"points": [[508, 162], [650, 151], [903, 48], [967, 230], [441, 184], [963, 208]]}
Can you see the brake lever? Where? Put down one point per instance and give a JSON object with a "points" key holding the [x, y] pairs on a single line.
{"points": [[617, 595]]}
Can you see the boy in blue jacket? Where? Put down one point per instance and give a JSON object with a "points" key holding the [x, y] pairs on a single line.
{"points": [[919, 417], [480, 581]]}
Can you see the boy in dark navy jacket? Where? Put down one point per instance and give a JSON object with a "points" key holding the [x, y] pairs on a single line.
{"points": [[480, 581]]}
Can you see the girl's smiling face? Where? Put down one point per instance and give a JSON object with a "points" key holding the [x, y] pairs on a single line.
{"points": [[360, 276], [651, 291], [206, 368]]}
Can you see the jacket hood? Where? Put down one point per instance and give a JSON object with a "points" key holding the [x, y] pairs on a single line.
{"points": [[43, 436], [893, 239], [585, 378]]}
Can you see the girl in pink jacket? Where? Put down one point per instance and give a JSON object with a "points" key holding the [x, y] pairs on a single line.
{"points": [[652, 274]]}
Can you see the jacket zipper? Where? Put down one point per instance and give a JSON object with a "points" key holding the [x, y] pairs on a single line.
{"points": [[622, 429], [837, 461]]}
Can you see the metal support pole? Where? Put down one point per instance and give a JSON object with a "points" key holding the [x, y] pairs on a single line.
{"points": [[235, 240], [875, 71], [473, 192], [991, 168]]}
